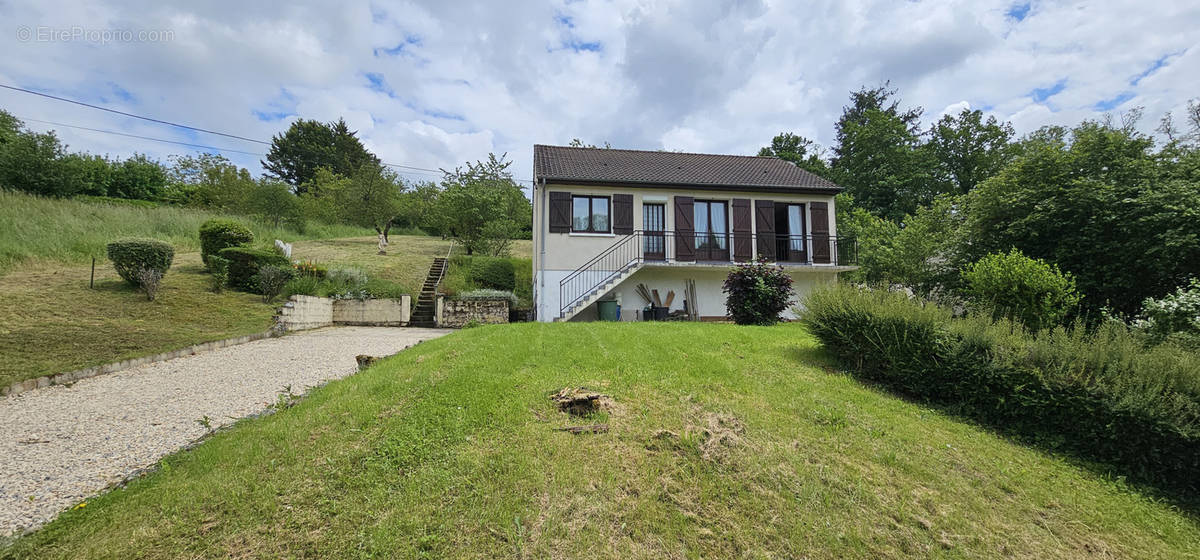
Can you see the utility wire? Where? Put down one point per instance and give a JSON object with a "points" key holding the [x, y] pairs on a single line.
{"points": [[144, 137], [133, 115], [187, 127]]}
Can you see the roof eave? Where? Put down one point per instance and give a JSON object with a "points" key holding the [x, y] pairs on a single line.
{"points": [[695, 186]]}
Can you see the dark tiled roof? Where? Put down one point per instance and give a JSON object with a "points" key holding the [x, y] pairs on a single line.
{"points": [[600, 165]]}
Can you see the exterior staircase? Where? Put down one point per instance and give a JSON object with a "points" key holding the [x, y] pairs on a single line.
{"points": [[597, 277], [423, 311], [599, 291]]}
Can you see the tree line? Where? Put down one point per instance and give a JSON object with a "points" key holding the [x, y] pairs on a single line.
{"points": [[314, 171], [1115, 209]]}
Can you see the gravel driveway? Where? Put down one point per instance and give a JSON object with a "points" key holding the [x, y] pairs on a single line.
{"points": [[60, 445]]}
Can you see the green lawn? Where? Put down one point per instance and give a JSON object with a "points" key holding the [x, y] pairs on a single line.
{"points": [[725, 441], [52, 322]]}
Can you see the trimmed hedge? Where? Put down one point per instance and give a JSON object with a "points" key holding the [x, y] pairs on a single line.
{"points": [[494, 273], [218, 234], [132, 255], [244, 263], [1101, 395]]}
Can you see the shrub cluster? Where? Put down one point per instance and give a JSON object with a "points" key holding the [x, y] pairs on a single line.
{"points": [[219, 234], [486, 294], [495, 273], [1100, 394], [758, 293], [245, 262], [271, 279], [1174, 317], [132, 256], [1028, 290]]}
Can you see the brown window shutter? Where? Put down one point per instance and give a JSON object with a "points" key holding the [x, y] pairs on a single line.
{"points": [[764, 224], [560, 212], [820, 232], [685, 229], [743, 240], [622, 214]]}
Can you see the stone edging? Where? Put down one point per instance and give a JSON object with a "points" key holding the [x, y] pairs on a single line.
{"points": [[73, 376]]}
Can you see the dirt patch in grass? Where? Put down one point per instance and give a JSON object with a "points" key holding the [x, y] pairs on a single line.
{"points": [[581, 401]]}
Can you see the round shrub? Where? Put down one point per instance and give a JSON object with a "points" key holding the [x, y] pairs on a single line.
{"points": [[757, 293], [218, 234], [493, 273], [245, 262], [1030, 291], [131, 256]]}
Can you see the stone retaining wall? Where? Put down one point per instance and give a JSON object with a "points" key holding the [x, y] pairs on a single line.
{"points": [[456, 313], [310, 312]]}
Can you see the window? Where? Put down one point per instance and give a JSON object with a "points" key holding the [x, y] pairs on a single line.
{"points": [[589, 214]]}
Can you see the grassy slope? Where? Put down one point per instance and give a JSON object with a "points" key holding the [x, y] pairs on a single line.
{"points": [[448, 450], [73, 231], [51, 322]]}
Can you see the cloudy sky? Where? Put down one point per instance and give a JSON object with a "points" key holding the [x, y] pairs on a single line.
{"points": [[433, 84]]}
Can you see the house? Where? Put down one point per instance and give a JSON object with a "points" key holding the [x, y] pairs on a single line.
{"points": [[606, 220]]}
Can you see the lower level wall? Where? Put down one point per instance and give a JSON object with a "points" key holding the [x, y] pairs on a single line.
{"points": [[310, 312], [709, 290], [455, 313], [372, 312]]}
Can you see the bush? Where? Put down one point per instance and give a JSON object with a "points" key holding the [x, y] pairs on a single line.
{"points": [[486, 294], [244, 263], [305, 286], [149, 280], [309, 268], [1173, 317], [130, 256], [219, 234], [494, 273], [758, 293], [1101, 394], [346, 278], [1023, 289], [271, 279], [220, 273]]}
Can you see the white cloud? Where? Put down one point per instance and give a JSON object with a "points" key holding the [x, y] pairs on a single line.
{"points": [[455, 81]]}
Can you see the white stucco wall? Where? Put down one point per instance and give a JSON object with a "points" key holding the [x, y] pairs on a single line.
{"points": [[556, 255]]}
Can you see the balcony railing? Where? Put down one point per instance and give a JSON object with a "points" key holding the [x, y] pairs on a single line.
{"points": [[669, 247]]}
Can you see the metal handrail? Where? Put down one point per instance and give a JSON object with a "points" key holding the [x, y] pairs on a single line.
{"points": [[630, 250]]}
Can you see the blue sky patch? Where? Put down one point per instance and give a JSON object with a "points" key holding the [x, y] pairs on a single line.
{"points": [[582, 46], [1019, 11], [403, 47], [1041, 94], [1154, 67], [268, 116], [376, 82], [565, 21], [1110, 104]]}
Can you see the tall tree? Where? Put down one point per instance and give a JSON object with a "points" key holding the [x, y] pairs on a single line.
{"points": [[1096, 203], [309, 145], [805, 153], [371, 198], [481, 203], [878, 158], [968, 149]]}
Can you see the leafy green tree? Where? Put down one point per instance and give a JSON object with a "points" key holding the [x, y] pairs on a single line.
{"points": [[10, 126], [805, 153], [878, 156], [36, 163], [138, 177], [94, 173], [923, 253], [967, 149], [479, 194], [273, 201], [209, 181], [371, 198], [1096, 202], [309, 145]]}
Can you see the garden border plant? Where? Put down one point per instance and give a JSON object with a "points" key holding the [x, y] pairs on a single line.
{"points": [[1100, 395]]}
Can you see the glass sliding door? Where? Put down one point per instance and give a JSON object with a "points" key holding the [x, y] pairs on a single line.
{"points": [[712, 231]]}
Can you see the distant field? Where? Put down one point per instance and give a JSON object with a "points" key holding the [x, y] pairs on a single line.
{"points": [[34, 229], [723, 442]]}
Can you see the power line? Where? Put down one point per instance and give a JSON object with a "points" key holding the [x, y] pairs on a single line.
{"points": [[169, 123], [144, 137], [187, 127]]}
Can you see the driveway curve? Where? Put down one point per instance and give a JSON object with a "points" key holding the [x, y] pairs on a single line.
{"points": [[61, 444]]}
